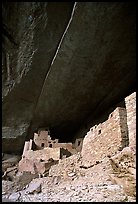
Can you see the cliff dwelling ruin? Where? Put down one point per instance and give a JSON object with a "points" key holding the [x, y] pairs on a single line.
{"points": [[69, 101], [106, 139]]}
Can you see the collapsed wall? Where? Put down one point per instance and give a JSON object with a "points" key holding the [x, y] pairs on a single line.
{"points": [[38, 161], [42, 152]]}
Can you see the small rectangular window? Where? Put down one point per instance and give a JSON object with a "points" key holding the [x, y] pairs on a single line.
{"points": [[99, 132], [79, 143]]}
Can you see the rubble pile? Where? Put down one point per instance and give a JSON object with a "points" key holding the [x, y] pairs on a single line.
{"points": [[102, 168], [69, 181], [67, 168]]}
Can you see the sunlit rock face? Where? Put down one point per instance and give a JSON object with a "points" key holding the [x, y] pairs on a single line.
{"points": [[64, 63]]}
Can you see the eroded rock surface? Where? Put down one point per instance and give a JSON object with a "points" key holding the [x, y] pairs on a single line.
{"points": [[64, 184], [38, 28], [124, 170], [68, 65]]}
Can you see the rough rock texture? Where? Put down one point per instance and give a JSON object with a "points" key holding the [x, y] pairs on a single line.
{"points": [[92, 68], [38, 28], [105, 139], [124, 170], [9, 161], [14, 196], [35, 166], [108, 179], [34, 187], [67, 168], [59, 74], [86, 184], [131, 118], [44, 154], [39, 162]]}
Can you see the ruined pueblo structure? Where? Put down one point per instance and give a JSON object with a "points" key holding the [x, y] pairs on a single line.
{"points": [[69, 101], [38, 152], [106, 139], [114, 139]]}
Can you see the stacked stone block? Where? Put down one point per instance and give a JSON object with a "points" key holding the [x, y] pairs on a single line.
{"points": [[105, 139], [131, 118]]}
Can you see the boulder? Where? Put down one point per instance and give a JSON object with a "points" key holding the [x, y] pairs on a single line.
{"points": [[124, 170]]}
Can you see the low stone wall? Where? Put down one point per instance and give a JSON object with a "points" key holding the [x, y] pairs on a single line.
{"points": [[39, 161], [43, 154]]}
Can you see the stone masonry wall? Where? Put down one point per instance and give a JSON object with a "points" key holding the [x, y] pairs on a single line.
{"points": [[131, 118], [66, 146], [106, 138], [78, 144], [41, 139], [123, 128], [43, 154]]}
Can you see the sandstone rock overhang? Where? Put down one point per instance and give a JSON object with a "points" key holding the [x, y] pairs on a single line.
{"points": [[93, 67]]}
